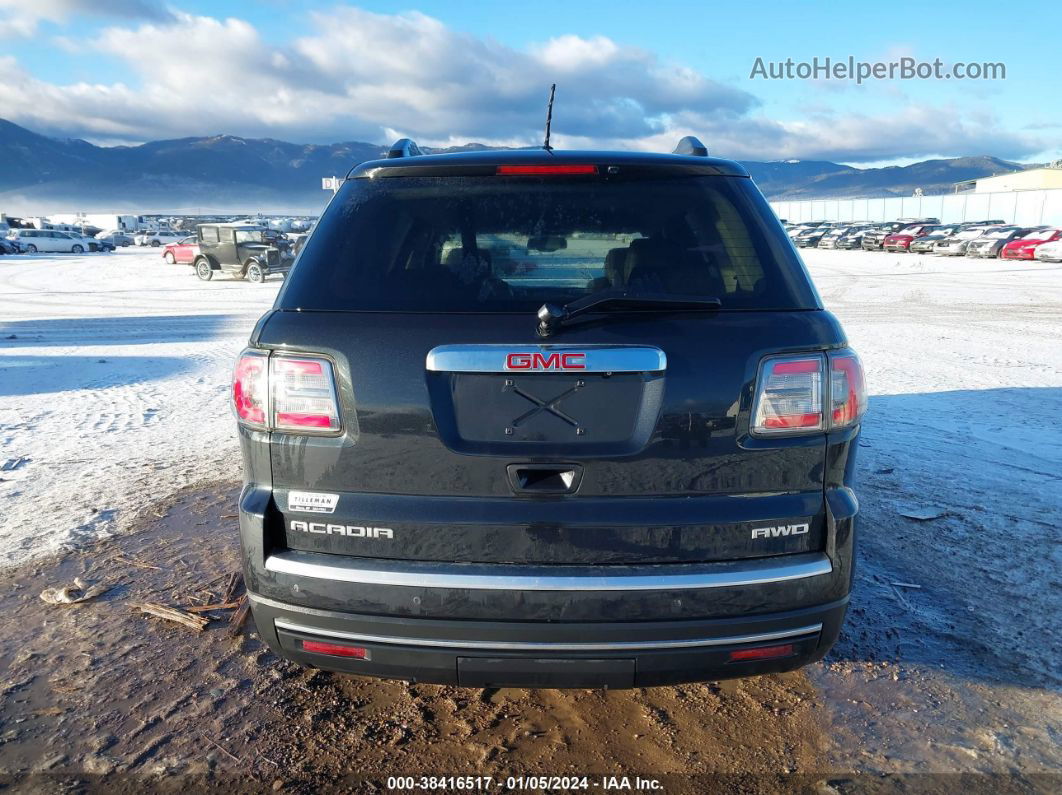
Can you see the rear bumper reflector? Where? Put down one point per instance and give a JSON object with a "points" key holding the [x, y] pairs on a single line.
{"points": [[670, 577], [538, 646]]}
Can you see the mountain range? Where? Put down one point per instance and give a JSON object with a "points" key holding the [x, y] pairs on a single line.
{"points": [[224, 173]]}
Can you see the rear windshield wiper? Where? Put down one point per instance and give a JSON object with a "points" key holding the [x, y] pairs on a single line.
{"points": [[551, 317]]}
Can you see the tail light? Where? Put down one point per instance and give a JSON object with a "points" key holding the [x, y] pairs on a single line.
{"points": [[250, 388], [304, 396], [789, 397], [848, 390], [285, 393], [808, 394]]}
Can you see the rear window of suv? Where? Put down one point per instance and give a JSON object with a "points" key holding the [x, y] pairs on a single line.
{"points": [[504, 244]]}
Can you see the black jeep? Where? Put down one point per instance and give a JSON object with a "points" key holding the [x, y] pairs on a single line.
{"points": [[542, 418], [240, 250]]}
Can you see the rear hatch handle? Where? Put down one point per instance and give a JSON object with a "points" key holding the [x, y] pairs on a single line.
{"points": [[544, 478]]}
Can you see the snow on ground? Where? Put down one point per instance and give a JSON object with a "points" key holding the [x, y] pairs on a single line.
{"points": [[964, 366], [964, 369], [114, 375]]}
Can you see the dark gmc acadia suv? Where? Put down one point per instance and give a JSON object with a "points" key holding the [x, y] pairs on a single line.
{"points": [[549, 419]]}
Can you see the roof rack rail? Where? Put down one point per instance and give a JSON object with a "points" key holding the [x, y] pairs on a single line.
{"points": [[690, 145], [404, 147]]}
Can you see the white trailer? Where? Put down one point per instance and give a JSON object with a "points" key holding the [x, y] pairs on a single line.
{"points": [[106, 221]]}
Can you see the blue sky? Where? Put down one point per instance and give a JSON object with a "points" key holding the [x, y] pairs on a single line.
{"points": [[630, 75]]}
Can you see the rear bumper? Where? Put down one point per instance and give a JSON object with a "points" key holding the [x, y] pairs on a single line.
{"points": [[548, 626], [516, 654]]}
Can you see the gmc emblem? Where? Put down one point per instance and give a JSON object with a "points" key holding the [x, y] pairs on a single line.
{"points": [[541, 361]]}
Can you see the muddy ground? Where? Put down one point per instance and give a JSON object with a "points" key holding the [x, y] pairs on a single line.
{"points": [[100, 697]]}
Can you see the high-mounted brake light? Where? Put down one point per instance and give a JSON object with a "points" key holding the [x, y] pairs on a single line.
{"points": [[848, 390], [285, 393], [304, 396], [789, 396], [250, 388], [532, 171]]}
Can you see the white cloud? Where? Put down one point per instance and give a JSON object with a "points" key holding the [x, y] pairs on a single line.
{"points": [[366, 76], [19, 18]]}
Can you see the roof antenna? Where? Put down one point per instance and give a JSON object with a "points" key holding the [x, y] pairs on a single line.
{"points": [[549, 117]]}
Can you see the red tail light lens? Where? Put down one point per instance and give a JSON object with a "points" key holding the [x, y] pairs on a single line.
{"points": [[304, 395], [250, 389], [532, 171], [762, 653], [789, 396], [335, 649], [848, 390], [285, 393]]}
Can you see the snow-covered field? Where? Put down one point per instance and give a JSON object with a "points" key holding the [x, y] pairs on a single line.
{"points": [[114, 375]]}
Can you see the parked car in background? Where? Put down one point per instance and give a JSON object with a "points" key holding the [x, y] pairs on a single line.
{"points": [[159, 238], [1049, 252], [874, 239], [901, 241], [278, 239], [852, 238], [49, 241], [183, 252], [1025, 247], [298, 243], [955, 245], [991, 242], [116, 238], [98, 244], [239, 250], [10, 246], [926, 243], [810, 237], [836, 233], [87, 243], [795, 229], [830, 238]]}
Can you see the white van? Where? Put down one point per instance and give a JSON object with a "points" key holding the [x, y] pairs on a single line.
{"points": [[49, 240]]}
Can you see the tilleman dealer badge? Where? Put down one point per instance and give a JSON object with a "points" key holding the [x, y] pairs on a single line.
{"points": [[312, 502]]}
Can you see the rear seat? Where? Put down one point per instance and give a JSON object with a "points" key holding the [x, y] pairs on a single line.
{"points": [[664, 266]]}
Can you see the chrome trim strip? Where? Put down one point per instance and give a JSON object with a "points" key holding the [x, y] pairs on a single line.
{"points": [[522, 645], [711, 575], [593, 359]]}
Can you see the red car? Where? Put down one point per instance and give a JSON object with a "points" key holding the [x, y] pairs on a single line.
{"points": [[1025, 247], [901, 241], [182, 252]]}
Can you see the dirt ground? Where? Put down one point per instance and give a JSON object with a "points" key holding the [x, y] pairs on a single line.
{"points": [[946, 677], [100, 697]]}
